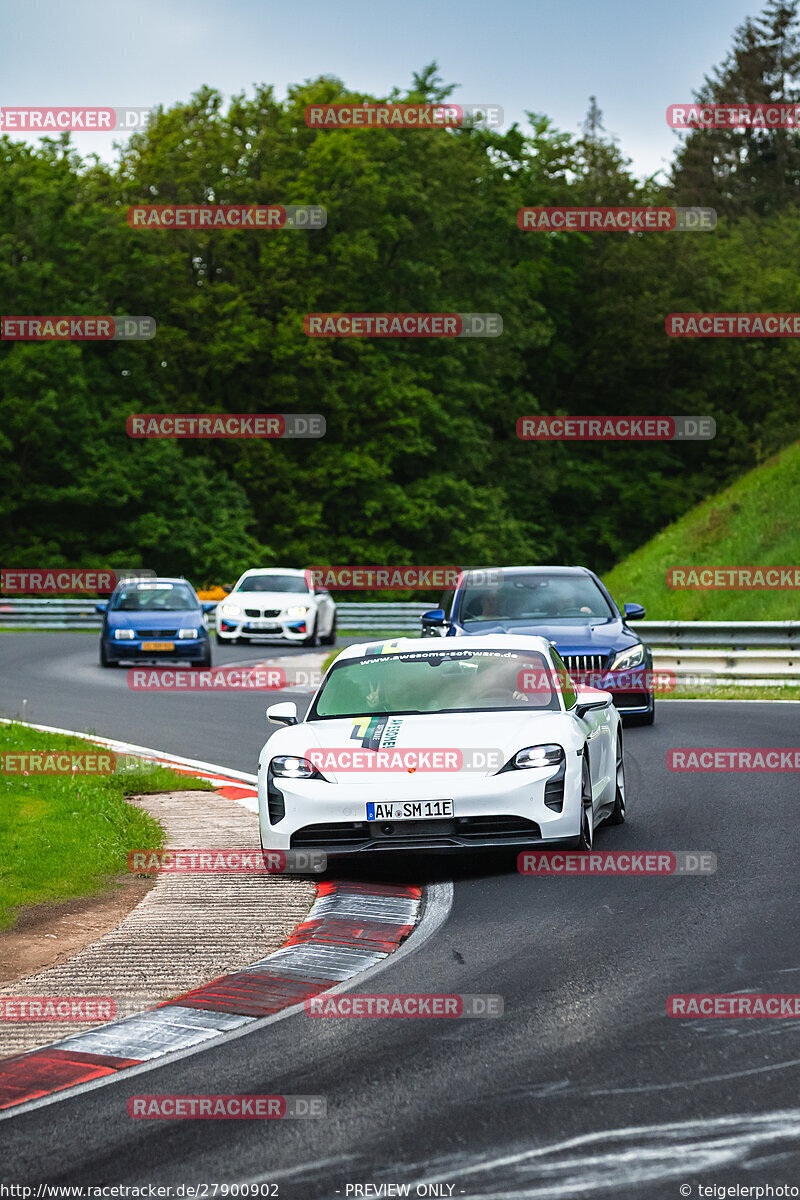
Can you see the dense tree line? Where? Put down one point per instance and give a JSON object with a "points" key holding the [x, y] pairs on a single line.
{"points": [[421, 462]]}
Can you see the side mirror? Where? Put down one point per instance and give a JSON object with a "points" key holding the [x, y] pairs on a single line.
{"points": [[635, 612], [434, 619], [102, 607], [592, 698], [283, 714], [209, 606], [321, 591]]}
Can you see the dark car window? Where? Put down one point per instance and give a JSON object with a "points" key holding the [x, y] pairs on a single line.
{"points": [[274, 583], [532, 598], [165, 597], [437, 682]]}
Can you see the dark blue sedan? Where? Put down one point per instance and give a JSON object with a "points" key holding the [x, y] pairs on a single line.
{"points": [[572, 609], [158, 618]]}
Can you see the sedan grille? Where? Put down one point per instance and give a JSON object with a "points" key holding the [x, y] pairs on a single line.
{"points": [[585, 662], [149, 634], [406, 833]]}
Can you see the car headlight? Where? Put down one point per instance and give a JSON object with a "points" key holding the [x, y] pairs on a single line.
{"points": [[124, 635], [187, 633], [549, 755], [297, 610], [231, 610], [286, 766], [632, 657]]}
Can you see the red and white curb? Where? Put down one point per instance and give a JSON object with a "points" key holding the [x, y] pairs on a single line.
{"points": [[350, 928]]}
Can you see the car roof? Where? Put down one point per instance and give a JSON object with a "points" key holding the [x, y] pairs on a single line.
{"points": [[136, 580], [272, 571], [487, 641], [555, 570]]}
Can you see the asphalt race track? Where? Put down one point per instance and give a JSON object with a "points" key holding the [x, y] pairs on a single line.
{"points": [[583, 1087]]}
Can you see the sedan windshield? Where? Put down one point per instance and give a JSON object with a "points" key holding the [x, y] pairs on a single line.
{"points": [[437, 682], [154, 597], [273, 583], [535, 598]]}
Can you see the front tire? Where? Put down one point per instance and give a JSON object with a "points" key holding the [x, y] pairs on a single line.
{"points": [[617, 814], [330, 638], [312, 638], [586, 836], [105, 661]]}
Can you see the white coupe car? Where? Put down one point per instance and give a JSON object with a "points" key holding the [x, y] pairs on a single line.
{"points": [[419, 746], [277, 602]]}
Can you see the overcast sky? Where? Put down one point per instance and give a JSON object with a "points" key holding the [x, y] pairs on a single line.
{"points": [[521, 54]]}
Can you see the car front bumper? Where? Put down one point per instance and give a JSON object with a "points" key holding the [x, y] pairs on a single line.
{"points": [[280, 629], [501, 810]]}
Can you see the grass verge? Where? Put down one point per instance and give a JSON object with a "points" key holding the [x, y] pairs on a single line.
{"points": [[65, 837]]}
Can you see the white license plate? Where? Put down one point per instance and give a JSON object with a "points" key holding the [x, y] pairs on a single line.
{"points": [[409, 810], [267, 626]]}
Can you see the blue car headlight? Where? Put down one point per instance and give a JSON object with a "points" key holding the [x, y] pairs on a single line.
{"points": [[632, 657], [187, 633], [124, 635]]}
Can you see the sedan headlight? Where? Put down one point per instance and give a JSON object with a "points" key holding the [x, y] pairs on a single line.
{"points": [[288, 767], [549, 755], [297, 610], [231, 610], [124, 635], [632, 657], [187, 633]]}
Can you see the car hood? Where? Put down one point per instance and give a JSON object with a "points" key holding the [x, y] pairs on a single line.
{"points": [[501, 733], [166, 619], [570, 637], [280, 600]]}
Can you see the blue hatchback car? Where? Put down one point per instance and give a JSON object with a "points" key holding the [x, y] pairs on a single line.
{"points": [[153, 619], [572, 609]]}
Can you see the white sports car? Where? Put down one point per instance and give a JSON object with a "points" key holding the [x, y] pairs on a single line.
{"points": [[277, 603], [417, 745]]}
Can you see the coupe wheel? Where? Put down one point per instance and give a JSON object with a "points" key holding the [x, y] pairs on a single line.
{"points": [[587, 810], [312, 638], [617, 814], [330, 638]]}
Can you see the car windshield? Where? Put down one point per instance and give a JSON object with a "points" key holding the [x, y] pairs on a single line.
{"points": [[437, 682], [535, 598], [154, 597], [273, 583]]}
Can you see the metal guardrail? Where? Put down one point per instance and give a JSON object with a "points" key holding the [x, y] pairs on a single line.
{"points": [[730, 650]]}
